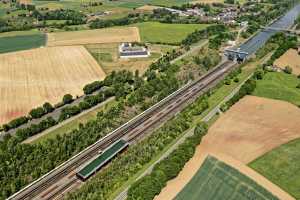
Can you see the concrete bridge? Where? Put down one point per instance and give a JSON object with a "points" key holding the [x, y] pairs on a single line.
{"points": [[290, 31]]}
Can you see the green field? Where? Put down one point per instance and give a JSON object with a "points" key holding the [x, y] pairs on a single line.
{"points": [[156, 32], [135, 3], [21, 42], [278, 85], [217, 181], [282, 167]]}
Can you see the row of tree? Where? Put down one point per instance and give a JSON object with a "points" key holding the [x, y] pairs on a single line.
{"points": [[150, 185], [137, 156], [23, 163]]}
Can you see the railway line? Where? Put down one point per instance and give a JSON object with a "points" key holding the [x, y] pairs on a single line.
{"points": [[47, 186]]}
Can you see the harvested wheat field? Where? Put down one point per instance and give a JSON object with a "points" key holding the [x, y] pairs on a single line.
{"points": [[290, 58], [148, 8], [30, 78], [106, 35], [252, 127]]}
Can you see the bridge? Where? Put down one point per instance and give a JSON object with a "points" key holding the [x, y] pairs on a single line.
{"points": [[290, 31], [236, 54]]}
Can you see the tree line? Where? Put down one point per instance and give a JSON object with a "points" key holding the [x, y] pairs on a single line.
{"points": [[24, 163], [147, 187]]}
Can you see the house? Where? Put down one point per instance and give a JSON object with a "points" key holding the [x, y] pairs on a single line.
{"points": [[127, 50]]}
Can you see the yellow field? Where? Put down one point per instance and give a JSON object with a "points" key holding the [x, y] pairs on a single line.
{"points": [[30, 78], [148, 8], [107, 35], [291, 58]]}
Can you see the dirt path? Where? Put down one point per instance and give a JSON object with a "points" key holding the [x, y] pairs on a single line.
{"points": [[248, 130]]}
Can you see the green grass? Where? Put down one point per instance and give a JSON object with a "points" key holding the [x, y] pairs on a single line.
{"points": [[280, 86], [282, 167], [216, 180], [156, 32], [21, 42]]}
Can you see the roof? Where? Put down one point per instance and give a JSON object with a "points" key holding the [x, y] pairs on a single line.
{"points": [[102, 159]]}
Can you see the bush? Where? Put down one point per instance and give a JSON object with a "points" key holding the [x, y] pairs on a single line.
{"points": [[48, 107], [25, 133], [37, 112], [67, 98], [68, 112], [15, 123], [92, 87], [288, 70]]}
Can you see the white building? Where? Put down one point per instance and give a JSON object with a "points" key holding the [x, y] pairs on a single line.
{"points": [[126, 50]]}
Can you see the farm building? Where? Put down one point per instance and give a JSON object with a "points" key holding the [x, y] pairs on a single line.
{"points": [[127, 50]]}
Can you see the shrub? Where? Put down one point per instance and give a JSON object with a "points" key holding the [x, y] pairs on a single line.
{"points": [[288, 70], [67, 98], [15, 123], [48, 107], [37, 112]]}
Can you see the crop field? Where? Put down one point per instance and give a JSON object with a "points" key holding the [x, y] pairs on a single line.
{"points": [[269, 123], [22, 42], [291, 58], [156, 32], [241, 138], [30, 78], [278, 85], [108, 57], [216, 180], [282, 167], [108, 35], [135, 3]]}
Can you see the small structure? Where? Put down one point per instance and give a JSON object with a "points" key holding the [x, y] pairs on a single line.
{"points": [[127, 50]]}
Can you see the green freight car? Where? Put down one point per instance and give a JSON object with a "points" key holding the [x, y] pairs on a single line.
{"points": [[96, 164]]}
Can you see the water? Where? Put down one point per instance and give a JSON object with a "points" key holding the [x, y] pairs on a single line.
{"points": [[285, 22]]}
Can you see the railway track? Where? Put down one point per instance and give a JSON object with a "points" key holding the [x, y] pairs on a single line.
{"points": [[132, 129]]}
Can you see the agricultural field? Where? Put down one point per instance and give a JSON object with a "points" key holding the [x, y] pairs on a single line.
{"points": [[282, 167], [107, 55], [30, 78], [108, 35], [215, 180], [19, 41], [290, 58], [279, 85], [235, 136], [156, 32], [136, 4]]}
